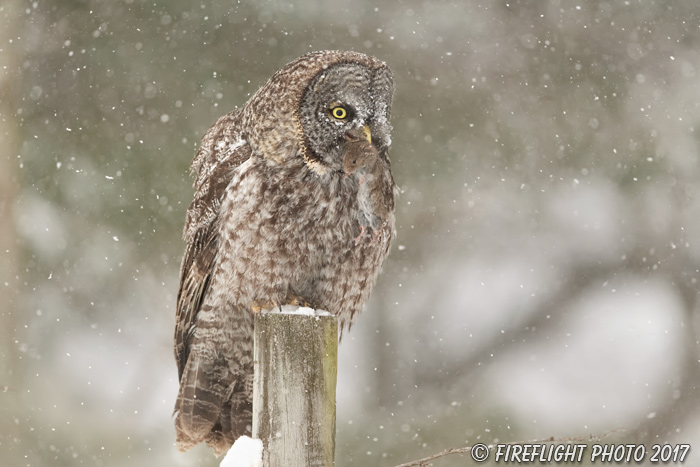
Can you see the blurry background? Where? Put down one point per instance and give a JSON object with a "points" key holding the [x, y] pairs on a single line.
{"points": [[545, 277]]}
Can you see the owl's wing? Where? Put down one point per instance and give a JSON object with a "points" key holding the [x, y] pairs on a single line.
{"points": [[223, 149]]}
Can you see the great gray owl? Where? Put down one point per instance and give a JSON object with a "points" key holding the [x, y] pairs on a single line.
{"points": [[274, 221]]}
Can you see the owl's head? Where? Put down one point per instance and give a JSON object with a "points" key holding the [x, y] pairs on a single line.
{"points": [[307, 109], [344, 102]]}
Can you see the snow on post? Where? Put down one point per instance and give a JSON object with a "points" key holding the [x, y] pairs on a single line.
{"points": [[245, 452], [295, 358]]}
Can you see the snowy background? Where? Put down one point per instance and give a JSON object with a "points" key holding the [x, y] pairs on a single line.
{"points": [[545, 277]]}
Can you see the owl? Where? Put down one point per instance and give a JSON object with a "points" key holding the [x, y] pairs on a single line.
{"points": [[275, 221]]}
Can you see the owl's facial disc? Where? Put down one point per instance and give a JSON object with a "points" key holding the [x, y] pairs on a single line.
{"points": [[342, 104]]}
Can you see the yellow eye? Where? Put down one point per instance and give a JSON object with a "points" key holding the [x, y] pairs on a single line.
{"points": [[339, 112]]}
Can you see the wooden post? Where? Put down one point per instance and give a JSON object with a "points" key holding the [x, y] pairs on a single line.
{"points": [[296, 365]]}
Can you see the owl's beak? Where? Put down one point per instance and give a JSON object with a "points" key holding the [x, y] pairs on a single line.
{"points": [[359, 134], [368, 134]]}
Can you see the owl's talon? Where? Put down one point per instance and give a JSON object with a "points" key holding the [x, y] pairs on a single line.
{"points": [[261, 305], [296, 300]]}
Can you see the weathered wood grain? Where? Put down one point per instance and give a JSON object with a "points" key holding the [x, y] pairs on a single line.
{"points": [[294, 389]]}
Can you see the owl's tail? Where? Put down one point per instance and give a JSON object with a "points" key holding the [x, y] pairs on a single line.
{"points": [[207, 410], [198, 403]]}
